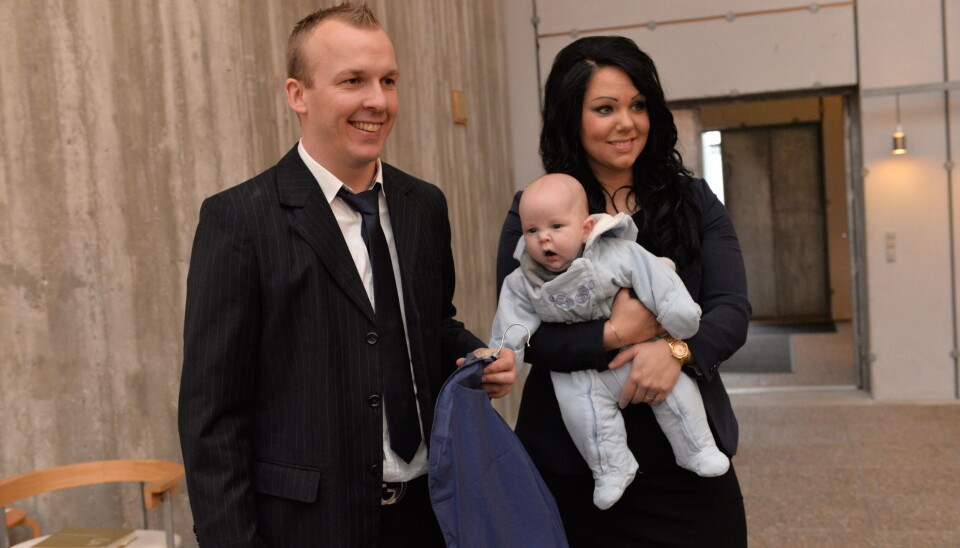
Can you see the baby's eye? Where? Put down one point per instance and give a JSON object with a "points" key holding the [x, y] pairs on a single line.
{"points": [[531, 230], [557, 226]]}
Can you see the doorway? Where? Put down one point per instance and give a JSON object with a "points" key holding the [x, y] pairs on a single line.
{"points": [[784, 181]]}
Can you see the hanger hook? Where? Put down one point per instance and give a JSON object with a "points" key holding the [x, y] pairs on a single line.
{"points": [[526, 343], [496, 353]]}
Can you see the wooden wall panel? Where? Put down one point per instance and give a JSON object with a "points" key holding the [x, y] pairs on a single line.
{"points": [[116, 119]]}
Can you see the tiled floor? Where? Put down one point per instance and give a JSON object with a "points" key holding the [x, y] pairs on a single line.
{"points": [[822, 464], [838, 469], [819, 359]]}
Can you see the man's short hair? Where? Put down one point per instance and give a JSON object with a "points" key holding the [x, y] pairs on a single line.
{"points": [[357, 15]]}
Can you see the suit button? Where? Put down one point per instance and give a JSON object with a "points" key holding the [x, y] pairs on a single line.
{"points": [[374, 400], [372, 338], [375, 470]]}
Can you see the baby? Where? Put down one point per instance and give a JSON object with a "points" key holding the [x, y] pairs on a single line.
{"points": [[571, 266]]}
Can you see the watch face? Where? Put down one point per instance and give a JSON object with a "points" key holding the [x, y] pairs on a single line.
{"points": [[680, 349]]}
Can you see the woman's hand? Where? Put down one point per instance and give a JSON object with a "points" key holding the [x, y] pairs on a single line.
{"points": [[630, 322], [653, 374]]}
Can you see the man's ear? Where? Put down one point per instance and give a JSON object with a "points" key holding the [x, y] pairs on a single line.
{"points": [[294, 89], [588, 225]]}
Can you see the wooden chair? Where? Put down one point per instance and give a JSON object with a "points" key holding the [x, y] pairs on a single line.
{"points": [[160, 480], [17, 517]]}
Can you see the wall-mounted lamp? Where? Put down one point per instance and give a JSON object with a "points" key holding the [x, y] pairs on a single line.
{"points": [[899, 138]]}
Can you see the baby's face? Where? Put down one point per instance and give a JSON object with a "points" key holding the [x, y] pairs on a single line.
{"points": [[553, 231]]}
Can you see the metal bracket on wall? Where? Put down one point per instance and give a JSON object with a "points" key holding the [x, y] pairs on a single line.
{"points": [[916, 88]]}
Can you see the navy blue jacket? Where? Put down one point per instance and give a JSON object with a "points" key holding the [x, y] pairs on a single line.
{"points": [[485, 490]]}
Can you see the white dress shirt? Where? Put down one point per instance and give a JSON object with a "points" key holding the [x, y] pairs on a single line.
{"points": [[350, 221]]}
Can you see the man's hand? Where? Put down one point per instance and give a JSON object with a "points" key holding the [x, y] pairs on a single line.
{"points": [[499, 376]]}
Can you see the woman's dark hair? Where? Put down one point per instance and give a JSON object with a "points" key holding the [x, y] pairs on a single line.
{"points": [[668, 220]]}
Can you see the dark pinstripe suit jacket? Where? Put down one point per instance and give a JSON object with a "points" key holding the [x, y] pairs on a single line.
{"points": [[279, 418]]}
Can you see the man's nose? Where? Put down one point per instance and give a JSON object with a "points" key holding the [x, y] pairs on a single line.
{"points": [[376, 98]]}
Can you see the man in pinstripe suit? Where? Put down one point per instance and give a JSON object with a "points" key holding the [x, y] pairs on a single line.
{"points": [[284, 436]]}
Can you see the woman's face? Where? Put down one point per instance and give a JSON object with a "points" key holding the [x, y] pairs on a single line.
{"points": [[615, 123]]}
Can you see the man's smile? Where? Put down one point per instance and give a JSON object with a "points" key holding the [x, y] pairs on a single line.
{"points": [[367, 126]]}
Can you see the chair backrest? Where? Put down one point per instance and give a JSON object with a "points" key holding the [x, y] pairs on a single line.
{"points": [[159, 477]]}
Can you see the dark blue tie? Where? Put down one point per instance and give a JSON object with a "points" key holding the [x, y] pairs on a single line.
{"points": [[402, 419]]}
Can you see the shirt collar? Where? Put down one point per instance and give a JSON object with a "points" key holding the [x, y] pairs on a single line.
{"points": [[329, 183]]}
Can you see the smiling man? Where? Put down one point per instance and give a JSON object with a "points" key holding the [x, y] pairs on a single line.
{"points": [[319, 320]]}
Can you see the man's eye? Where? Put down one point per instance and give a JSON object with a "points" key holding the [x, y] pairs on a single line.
{"points": [[352, 81], [389, 82]]}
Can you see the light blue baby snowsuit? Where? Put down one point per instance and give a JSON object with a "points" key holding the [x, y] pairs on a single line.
{"points": [[611, 260]]}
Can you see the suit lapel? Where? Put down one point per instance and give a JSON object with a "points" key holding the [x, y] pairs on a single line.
{"points": [[404, 220], [315, 222]]}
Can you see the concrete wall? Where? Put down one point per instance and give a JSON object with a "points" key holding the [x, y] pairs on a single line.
{"points": [[117, 118]]}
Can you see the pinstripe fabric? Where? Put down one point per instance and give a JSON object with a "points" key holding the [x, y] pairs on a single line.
{"points": [[280, 443]]}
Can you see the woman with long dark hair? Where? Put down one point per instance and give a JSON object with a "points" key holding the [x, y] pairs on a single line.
{"points": [[606, 123]]}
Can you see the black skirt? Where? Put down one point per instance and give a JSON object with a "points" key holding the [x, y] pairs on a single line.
{"points": [[664, 506], [657, 509]]}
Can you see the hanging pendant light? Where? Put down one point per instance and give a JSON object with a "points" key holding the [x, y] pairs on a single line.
{"points": [[899, 138]]}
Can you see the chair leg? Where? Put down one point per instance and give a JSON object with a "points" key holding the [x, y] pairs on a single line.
{"points": [[168, 519], [143, 508], [4, 534]]}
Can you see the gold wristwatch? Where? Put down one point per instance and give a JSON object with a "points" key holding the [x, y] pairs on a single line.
{"points": [[679, 349]]}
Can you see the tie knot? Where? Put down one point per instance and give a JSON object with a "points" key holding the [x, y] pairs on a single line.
{"points": [[366, 202]]}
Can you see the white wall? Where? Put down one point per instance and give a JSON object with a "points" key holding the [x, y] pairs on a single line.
{"points": [[910, 315], [877, 43], [712, 58]]}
